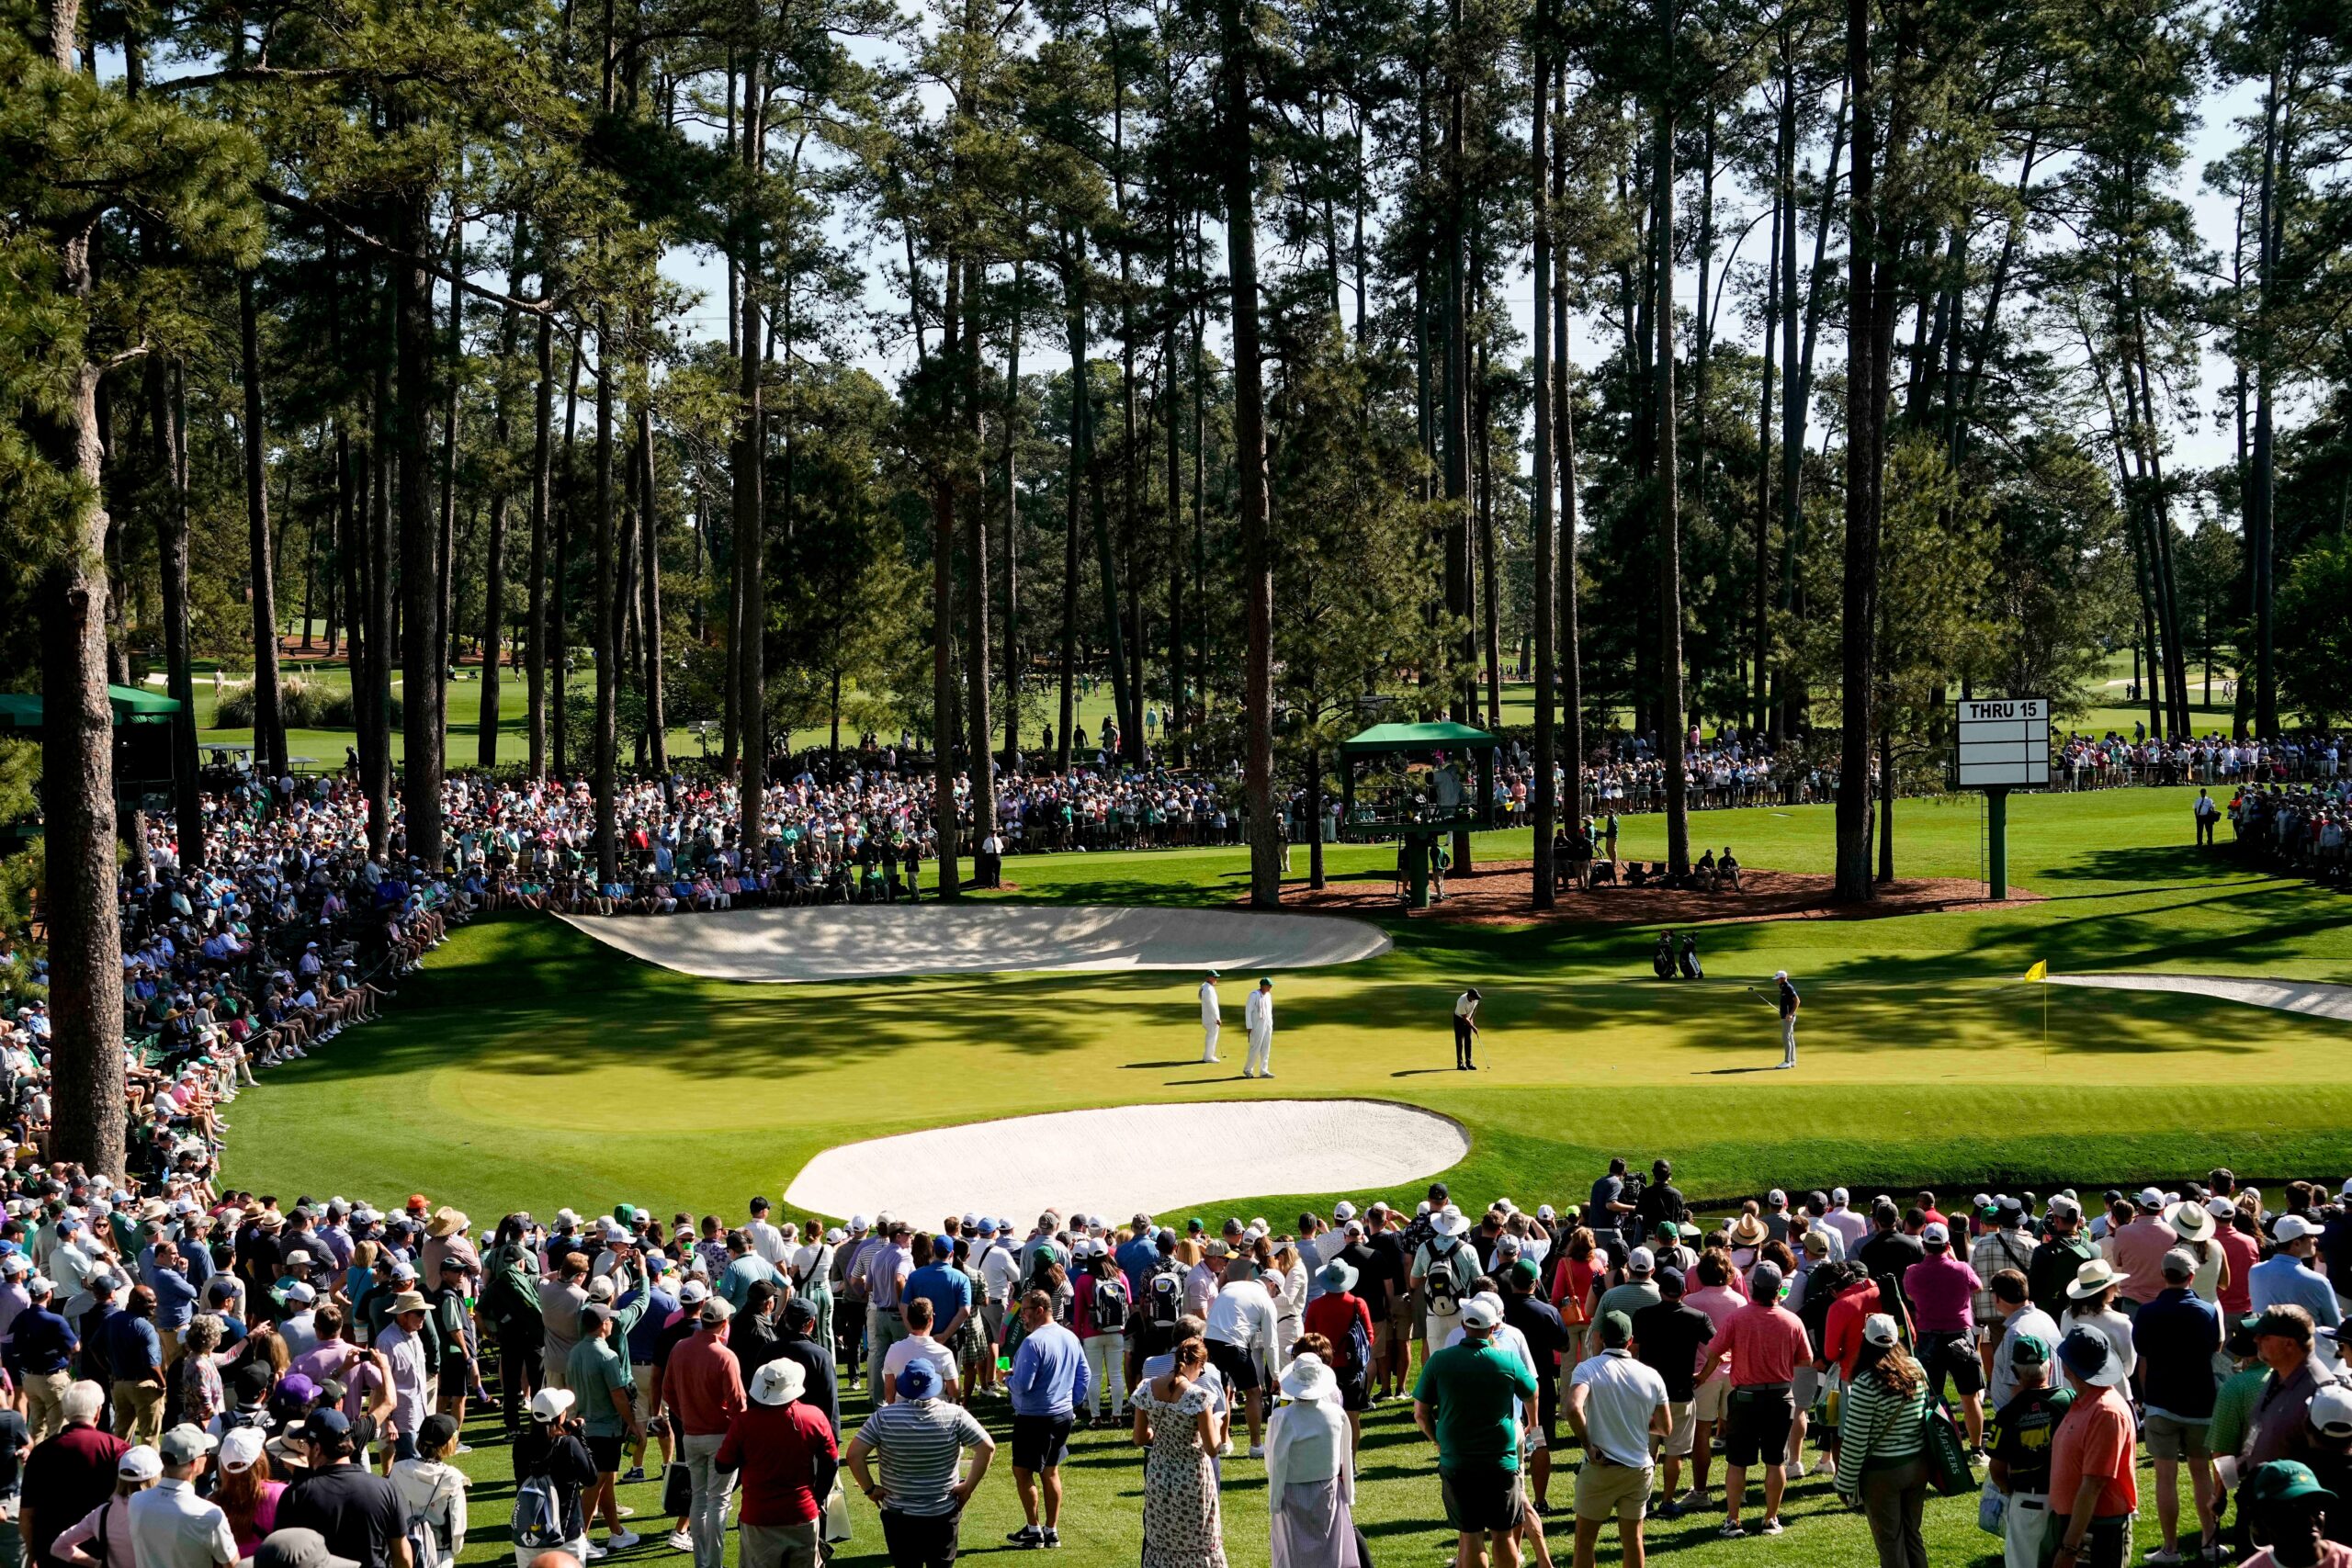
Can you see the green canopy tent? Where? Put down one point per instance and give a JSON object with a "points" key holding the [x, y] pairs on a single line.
{"points": [[1419, 822], [144, 760]]}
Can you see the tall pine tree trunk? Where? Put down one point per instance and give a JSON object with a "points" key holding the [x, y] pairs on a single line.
{"points": [[535, 635], [1860, 632], [269, 722], [77, 750], [943, 740], [1671, 716], [1540, 372], [420, 555], [750, 463], [1238, 172]]}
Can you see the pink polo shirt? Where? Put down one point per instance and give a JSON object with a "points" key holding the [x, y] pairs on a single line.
{"points": [[1943, 1289], [1765, 1344], [2139, 1249]]}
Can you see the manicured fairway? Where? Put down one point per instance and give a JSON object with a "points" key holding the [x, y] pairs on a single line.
{"points": [[531, 1067]]}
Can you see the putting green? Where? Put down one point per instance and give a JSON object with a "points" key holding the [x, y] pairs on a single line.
{"points": [[530, 1066]]}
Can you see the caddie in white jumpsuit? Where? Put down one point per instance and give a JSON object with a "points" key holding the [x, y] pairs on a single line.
{"points": [[1258, 1016], [1212, 1018]]}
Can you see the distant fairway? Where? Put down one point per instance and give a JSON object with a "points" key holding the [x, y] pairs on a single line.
{"points": [[531, 1066]]}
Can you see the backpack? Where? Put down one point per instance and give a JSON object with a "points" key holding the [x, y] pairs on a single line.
{"points": [[1110, 1305], [1163, 1298], [1442, 1288], [537, 1519]]}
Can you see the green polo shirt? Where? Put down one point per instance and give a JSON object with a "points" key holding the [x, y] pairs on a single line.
{"points": [[592, 1372], [1474, 1390]]}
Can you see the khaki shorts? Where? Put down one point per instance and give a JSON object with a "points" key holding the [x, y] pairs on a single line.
{"points": [[1682, 1428], [1603, 1489], [1708, 1403], [2172, 1439], [644, 1377]]}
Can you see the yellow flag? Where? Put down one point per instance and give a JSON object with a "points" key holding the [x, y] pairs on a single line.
{"points": [[2040, 970]]}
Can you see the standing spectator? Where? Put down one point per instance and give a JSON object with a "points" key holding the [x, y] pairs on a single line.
{"points": [[2288, 1513], [702, 1384], [1242, 1342], [2024, 1425], [917, 1441], [1180, 1428], [1763, 1341], [2286, 1278], [608, 1417], [782, 1449], [108, 1524], [1467, 1403], [551, 1448], [1619, 1408], [2176, 1335], [1310, 1470], [67, 1476], [2060, 1256], [359, 1514], [2092, 1491], [1881, 1460], [2282, 1337], [1942, 1291], [1668, 1336], [135, 1351], [170, 1527], [247, 1493], [40, 1355], [1050, 1374], [1345, 1319]]}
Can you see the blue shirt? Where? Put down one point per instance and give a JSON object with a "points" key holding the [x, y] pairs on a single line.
{"points": [[40, 1342], [1135, 1260], [133, 1347], [174, 1297], [645, 1334], [948, 1290], [1049, 1374], [2283, 1281], [2175, 1336], [741, 1274]]}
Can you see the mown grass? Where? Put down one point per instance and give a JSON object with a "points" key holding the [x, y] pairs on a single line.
{"points": [[530, 1066]]}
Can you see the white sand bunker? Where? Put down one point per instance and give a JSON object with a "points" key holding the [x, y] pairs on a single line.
{"points": [[862, 942], [2320, 998], [1148, 1157]]}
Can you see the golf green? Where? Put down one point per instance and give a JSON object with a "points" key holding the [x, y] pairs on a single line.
{"points": [[529, 1066]]}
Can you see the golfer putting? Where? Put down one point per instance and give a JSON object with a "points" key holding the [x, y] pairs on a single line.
{"points": [[1466, 1029], [1788, 1003]]}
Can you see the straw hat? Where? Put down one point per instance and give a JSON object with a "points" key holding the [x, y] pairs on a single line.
{"points": [[447, 1221]]}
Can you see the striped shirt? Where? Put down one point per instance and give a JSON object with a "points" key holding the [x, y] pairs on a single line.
{"points": [[918, 1442], [1876, 1427]]}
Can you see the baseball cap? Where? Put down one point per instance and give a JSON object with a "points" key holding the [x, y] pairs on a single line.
{"points": [[1936, 1234], [2283, 1480], [298, 1549], [715, 1312], [918, 1380], [1616, 1328], [184, 1444], [141, 1464], [2293, 1227], [1479, 1313], [2331, 1411], [2179, 1264], [1668, 1281], [692, 1292], [240, 1448], [1879, 1329], [1642, 1261], [2151, 1198]]}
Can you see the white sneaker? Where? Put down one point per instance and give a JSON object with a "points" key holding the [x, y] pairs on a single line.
{"points": [[680, 1542], [622, 1541], [1257, 1450], [595, 1552]]}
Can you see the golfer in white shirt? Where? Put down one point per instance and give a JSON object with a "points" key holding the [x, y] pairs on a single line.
{"points": [[1257, 1016], [1212, 1018]]}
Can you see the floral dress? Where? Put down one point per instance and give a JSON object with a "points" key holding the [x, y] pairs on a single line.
{"points": [[1180, 1523]]}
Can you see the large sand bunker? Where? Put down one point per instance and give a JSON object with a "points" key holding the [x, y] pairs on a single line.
{"points": [[1131, 1158], [865, 941], [2320, 998]]}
